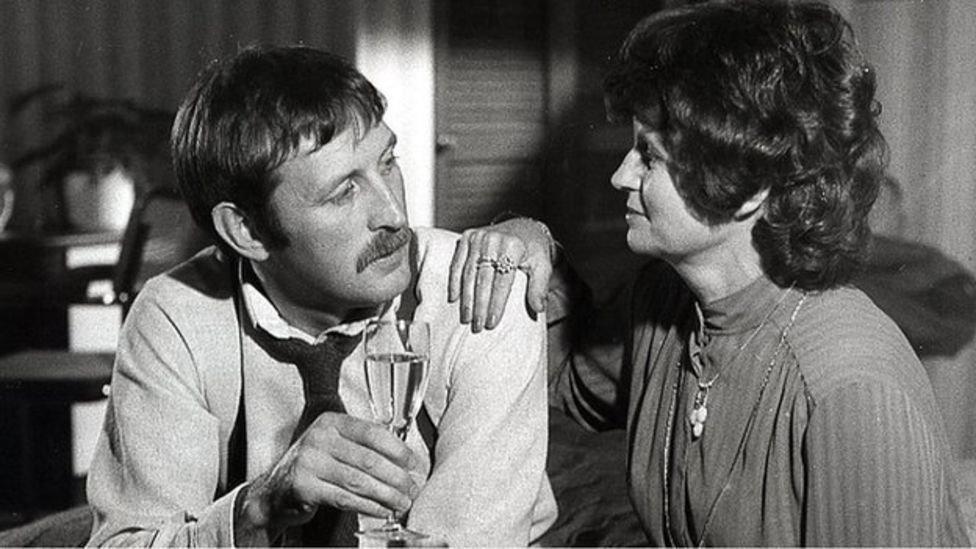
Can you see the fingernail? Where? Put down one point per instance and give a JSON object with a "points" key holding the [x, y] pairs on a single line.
{"points": [[491, 321], [404, 505]]}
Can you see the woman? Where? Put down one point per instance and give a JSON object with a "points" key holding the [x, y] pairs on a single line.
{"points": [[767, 401]]}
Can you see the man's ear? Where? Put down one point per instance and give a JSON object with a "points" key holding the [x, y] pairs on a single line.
{"points": [[234, 227], [752, 205]]}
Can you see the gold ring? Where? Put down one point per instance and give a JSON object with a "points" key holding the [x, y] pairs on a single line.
{"points": [[502, 265], [505, 265]]}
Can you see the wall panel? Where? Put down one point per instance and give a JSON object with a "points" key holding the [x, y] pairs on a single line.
{"points": [[136, 49]]}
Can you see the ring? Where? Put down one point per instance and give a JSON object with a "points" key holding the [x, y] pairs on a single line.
{"points": [[502, 265], [505, 265]]}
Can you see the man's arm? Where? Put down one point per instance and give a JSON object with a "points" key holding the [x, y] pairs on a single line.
{"points": [[156, 470], [155, 478], [587, 358], [488, 484]]}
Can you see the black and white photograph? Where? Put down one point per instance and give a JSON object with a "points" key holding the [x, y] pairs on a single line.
{"points": [[487, 273]]}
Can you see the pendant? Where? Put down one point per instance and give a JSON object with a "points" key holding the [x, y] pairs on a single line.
{"points": [[699, 413]]}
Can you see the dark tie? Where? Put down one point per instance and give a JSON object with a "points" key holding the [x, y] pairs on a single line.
{"points": [[319, 366]]}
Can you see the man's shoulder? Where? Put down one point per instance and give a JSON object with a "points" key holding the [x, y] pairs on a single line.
{"points": [[434, 244], [197, 285], [435, 250]]}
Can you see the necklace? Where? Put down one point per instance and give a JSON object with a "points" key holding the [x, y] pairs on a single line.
{"points": [[699, 410], [672, 412]]}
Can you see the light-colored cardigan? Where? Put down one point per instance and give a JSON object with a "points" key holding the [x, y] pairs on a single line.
{"points": [[160, 471]]}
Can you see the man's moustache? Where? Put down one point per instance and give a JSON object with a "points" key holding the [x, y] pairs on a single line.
{"points": [[385, 243]]}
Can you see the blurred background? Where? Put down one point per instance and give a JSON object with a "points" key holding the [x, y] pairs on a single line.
{"points": [[498, 107]]}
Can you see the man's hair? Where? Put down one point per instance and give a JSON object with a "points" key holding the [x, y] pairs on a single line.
{"points": [[757, 95], [248, 114]]}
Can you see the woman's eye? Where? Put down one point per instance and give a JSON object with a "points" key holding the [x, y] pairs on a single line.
{"points": [[389, 164], [650, 157]]}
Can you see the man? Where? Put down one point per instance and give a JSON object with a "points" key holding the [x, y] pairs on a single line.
{"points": [[282, 154]]}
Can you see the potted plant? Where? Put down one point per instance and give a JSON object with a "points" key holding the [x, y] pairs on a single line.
{"points": [[102, 153]]}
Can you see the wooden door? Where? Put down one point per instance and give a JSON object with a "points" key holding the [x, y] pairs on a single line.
{"points": [[521, 124], [491, 109]]}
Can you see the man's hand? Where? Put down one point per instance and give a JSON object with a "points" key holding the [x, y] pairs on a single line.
{"points": [[339, 461], [482, 269]]}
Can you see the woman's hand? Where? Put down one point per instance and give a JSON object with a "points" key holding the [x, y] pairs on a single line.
{"points": [[484, 265]]}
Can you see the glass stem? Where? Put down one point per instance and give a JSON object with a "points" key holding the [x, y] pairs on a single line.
{"points": [[394, 520]]}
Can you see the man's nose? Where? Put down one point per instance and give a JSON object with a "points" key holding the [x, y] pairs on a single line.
{"points": [[388, 210]]}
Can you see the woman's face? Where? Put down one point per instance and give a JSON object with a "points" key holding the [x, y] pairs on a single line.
{"points": [[659, 221]]}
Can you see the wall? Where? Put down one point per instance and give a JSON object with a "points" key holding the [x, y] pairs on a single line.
{"points": [[150, 52], [923, 52]]}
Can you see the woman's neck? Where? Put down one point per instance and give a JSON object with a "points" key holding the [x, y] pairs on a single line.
{"points": [[719, 272]]}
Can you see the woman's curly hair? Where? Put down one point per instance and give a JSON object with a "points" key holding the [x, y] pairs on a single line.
{"points": [[758, 95]]}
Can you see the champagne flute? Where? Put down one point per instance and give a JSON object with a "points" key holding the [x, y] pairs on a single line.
{"points": [[397, 357]]}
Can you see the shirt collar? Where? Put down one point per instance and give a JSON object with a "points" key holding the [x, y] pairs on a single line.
{"points": [[264, 315]]}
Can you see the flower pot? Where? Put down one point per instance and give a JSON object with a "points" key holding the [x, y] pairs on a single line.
{"points": [[99, 202]]}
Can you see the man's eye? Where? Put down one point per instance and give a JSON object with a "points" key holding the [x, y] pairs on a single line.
{"points": [[343, 193]]}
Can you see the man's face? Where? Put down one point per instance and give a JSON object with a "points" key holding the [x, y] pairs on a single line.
{"points": [[342, 209]]}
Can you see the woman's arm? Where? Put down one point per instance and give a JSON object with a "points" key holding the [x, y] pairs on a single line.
{"points": [[484, 264], [876, 471]]}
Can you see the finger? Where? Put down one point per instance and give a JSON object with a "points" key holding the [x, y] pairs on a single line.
{"points": [[502, 284], [469, 276], [378, 439], [457, 268], [490, 247], [356, 467], [337, 496], [538, 287], [356, 474]]}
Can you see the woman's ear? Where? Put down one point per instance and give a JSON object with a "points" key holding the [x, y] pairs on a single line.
{"points": [[234, 227], [752, 205]]}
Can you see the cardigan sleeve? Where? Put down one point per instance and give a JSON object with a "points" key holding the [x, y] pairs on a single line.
{"points": [[155, 473], [874, 470], [488, 485]]}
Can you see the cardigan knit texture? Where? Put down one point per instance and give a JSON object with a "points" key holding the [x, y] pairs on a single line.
{"points": [[187, 371]]}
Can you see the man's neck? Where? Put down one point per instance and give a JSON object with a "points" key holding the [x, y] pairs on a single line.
{"points": [[311, 320]]}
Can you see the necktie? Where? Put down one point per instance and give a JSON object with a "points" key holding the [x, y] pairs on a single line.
{"points": [[319, 366]]}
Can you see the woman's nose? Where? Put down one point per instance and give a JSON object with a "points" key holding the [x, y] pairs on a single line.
{"points": [[627, 177]]}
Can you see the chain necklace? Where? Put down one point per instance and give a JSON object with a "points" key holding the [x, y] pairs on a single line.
{"points": [[699, 411], [701, 400]]}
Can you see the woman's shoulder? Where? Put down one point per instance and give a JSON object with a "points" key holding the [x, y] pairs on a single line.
{"points": [[841, 337]]}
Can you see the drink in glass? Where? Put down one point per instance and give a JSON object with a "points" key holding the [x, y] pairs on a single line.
{"points": [[397, 357]]}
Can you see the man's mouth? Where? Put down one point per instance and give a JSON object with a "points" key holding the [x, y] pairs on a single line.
{"points": [[384, 245]]}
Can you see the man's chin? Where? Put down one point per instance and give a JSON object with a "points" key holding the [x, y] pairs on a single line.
{"points": [[391, 273]]}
